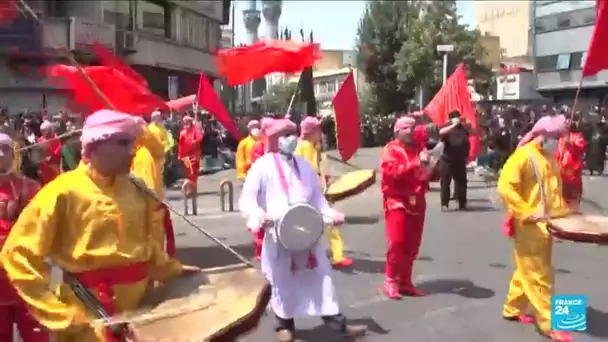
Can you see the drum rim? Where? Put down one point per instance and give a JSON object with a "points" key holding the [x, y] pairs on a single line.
{"points": [[368, 182], [316, 241], [576, 236]]}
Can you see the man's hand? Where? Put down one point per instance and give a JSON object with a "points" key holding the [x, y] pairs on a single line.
{"points": [[338, 219], [190, 269], [535, 218], [424, 156]]}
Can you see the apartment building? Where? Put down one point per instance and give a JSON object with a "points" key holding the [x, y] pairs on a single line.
{"points": [[562, 32], [168, 42]]}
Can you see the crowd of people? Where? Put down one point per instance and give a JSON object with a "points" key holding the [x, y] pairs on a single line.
{"points": [[75, 176]]}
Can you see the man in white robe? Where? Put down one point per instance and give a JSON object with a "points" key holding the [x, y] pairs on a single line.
{"points": [[303, 287]]}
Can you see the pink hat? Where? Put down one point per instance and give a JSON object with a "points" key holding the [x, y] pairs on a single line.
{"points": [[546, 125], [309, 125], [278, 128], [103, 124], [266, 123], [253, 124], [5, 139], [404, 122], [46, 125]]}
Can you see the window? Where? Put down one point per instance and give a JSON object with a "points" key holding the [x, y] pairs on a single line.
{"points": [[588, 16], [563, 61], [198, 31], [577, 60], [331, 87], [546, 63], [541, 25], [153, 17], [583, 58], [563, 22]]}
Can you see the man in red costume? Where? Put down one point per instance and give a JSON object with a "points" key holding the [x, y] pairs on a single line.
{"points": [[259, 149], [570, 151], [50, 166], [405, 173], [15, 193], [189, 151]]}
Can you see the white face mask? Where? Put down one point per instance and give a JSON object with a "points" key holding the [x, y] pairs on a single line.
{"points": [[255, 132], [549, 146], [288, 144]]}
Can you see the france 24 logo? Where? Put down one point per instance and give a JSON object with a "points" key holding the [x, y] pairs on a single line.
{"points": [[569, 312]]}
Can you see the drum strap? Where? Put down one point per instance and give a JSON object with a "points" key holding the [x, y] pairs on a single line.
{"points": [[312, 260], [541, 187]]}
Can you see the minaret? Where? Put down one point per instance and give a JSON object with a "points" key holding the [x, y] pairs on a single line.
{"points": [[252, 20], [272, 9], [272, 13]]}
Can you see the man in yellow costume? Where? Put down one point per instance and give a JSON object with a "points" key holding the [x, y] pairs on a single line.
{"points": [[530, 187], [157, 128], [309, 147], [244, 151], [94, 223], [147, 165]]}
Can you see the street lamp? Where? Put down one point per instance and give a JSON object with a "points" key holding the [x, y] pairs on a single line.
{"points": [[445, 49]]}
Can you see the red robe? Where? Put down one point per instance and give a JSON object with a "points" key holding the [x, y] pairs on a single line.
{"points": [[189, 151], [569, 156], [15, 193], [404, 186], [50, 167]]}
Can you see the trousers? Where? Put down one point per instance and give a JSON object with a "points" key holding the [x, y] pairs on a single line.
{"points": [[403, 236], [532, 281], [335, 322], [456, 171], [336, 245]]}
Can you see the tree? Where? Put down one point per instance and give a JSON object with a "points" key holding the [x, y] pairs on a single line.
{"points": [[437, 24], [278, 98], [381, 34]]}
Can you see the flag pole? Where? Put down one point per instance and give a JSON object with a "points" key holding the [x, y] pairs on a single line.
{"points": [[66, 53], [293, 97], [578, 91]]}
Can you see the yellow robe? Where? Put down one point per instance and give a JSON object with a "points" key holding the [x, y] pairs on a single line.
{"points": [[161, 133], [17, 158], [244, 154], [532, 281], [148, 161], [83, 221], [308, 151]]}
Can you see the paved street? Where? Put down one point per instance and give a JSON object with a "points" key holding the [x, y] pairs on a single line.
{"points": [[465, 265]]}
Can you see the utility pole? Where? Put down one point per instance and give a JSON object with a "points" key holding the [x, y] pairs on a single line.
{"points": [[445, 49]]}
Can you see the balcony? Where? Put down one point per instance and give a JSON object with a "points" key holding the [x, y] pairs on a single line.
{"points": [[156, 51], [77, 34]]}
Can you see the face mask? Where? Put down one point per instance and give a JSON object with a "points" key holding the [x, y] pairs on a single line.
{"points": [[549, 146], [288, 144], [454, 120], [255, 132]]}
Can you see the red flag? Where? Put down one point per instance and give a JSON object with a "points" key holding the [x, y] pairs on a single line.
{"points": [[9, 11], [123, 93], [346, 109], [107, 58], [207, 99], [182, 102], [454, 95], [596, 60], [244, 64]]}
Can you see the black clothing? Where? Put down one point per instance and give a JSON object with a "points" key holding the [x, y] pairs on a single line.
{"points": [[454, 165], [456, 144], [334, 322]]}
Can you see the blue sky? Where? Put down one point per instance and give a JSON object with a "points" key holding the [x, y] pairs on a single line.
{"points": [[334, 23]]}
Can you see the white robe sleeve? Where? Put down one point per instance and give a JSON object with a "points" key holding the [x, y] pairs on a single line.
{"points": [[248, 202], [318, 197]]}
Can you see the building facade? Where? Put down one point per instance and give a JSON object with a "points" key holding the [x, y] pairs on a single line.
{"points": [[168, 42], [508, 20], [562, 33]]}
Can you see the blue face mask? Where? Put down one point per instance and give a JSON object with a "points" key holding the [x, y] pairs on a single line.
{"points": [[549, 146], [287, 145]]}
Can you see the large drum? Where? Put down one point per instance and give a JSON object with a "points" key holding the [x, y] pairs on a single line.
{"points": [[580, 228], [301, 228], [218, 304], [351, 184]]}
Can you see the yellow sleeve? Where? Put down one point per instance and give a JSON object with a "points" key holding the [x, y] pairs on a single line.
{"points": [[17, 157], [152, 143], [241, 159], [23, 256], [144, 167], [510, 185], [307, 151], [162, 266]]}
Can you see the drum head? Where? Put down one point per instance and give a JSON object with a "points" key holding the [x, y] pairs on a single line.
{"points": [[350, 184], [581, 228], [301, 228]]}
